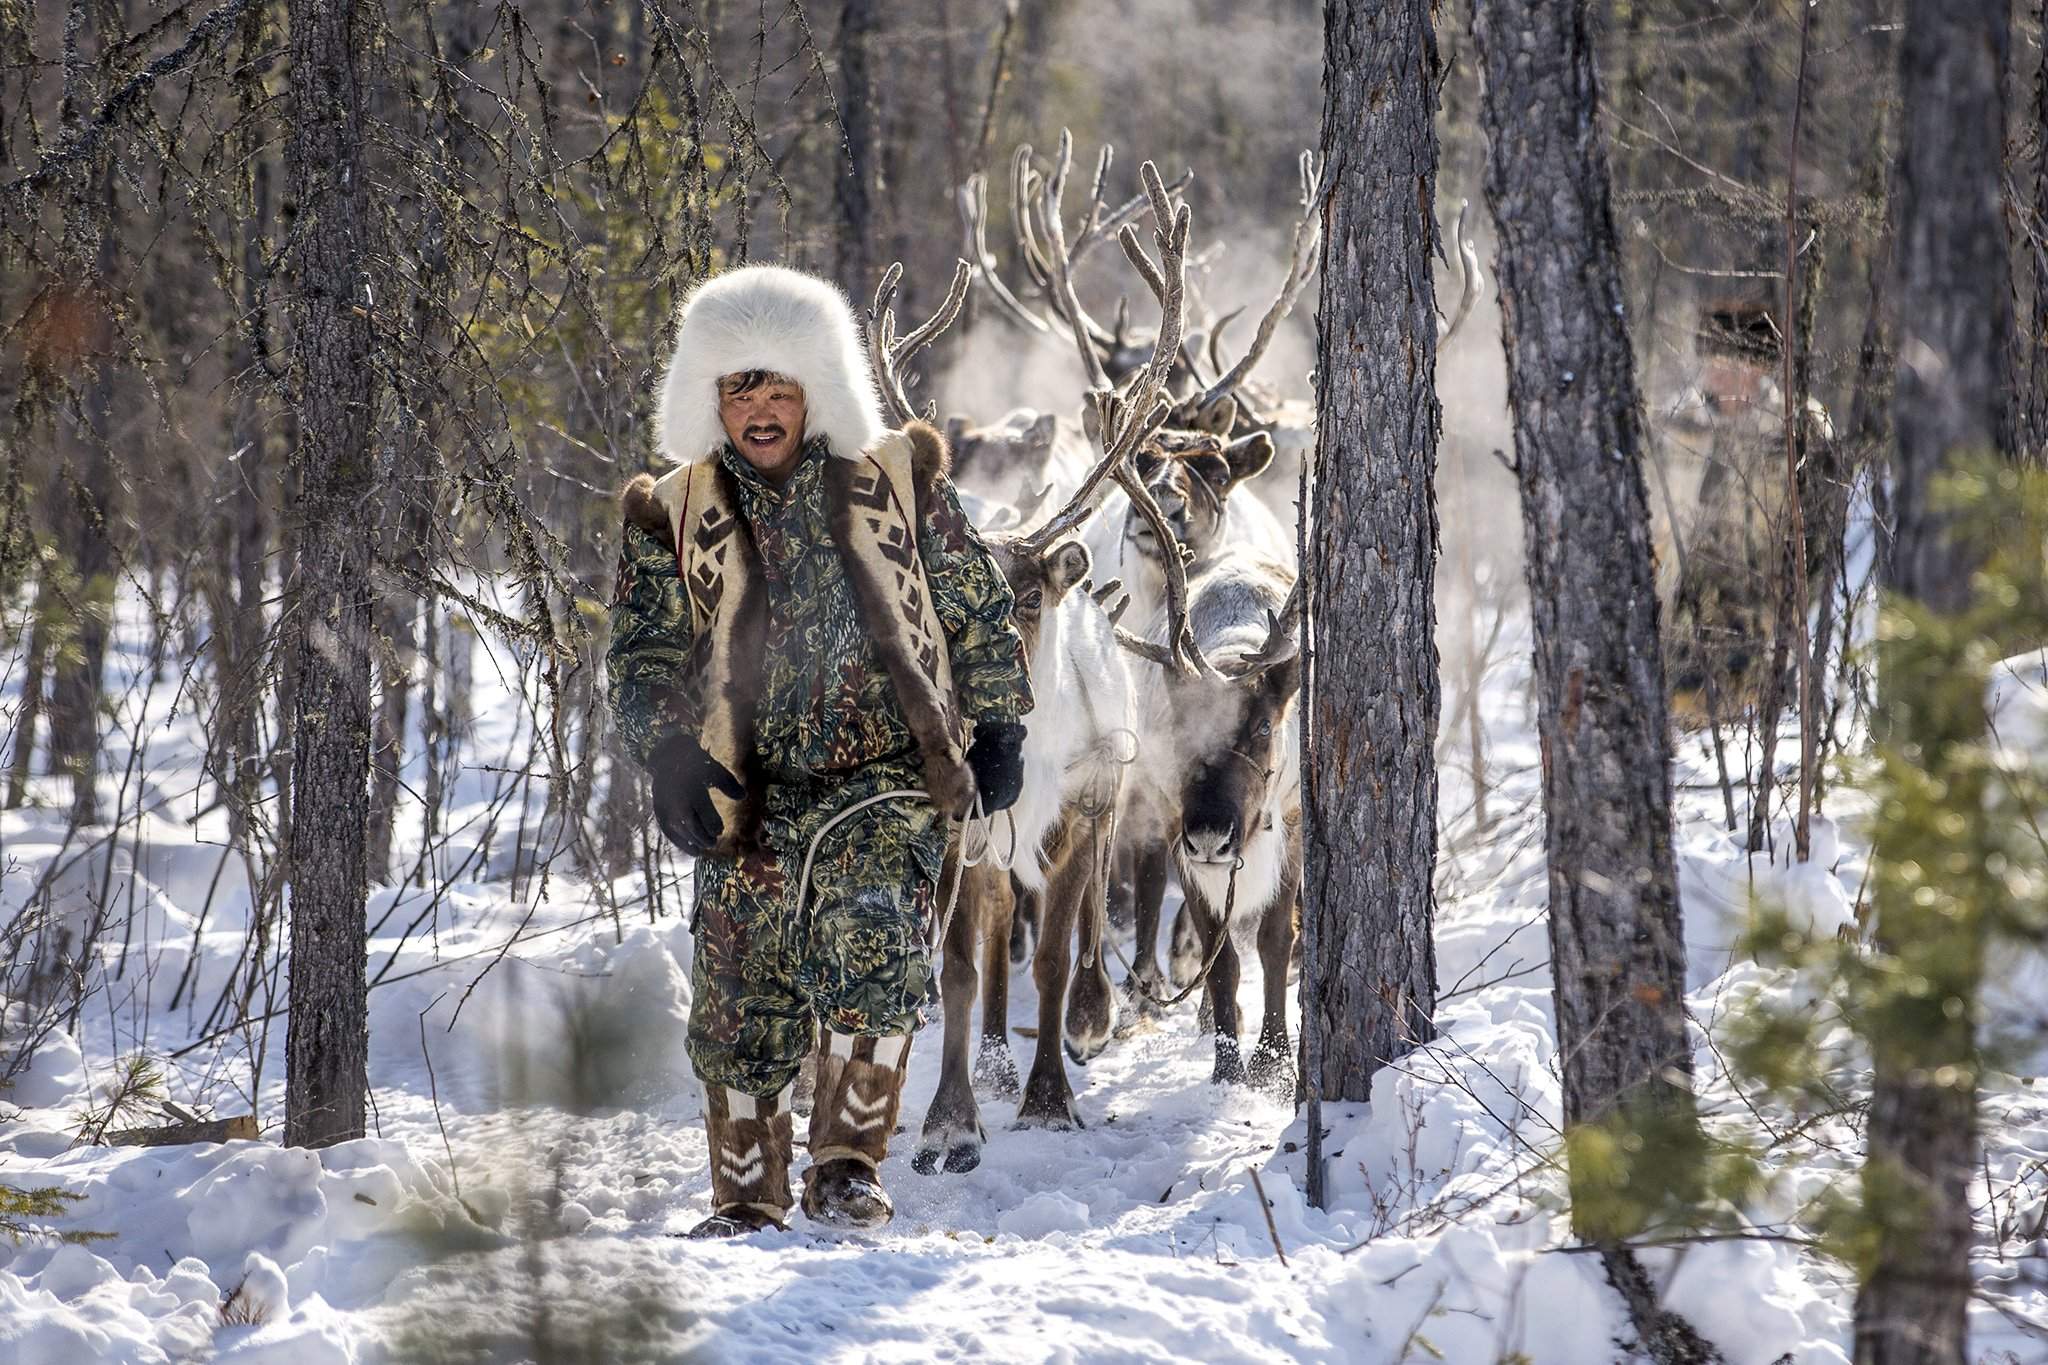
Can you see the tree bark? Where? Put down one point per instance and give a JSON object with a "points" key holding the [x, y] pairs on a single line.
{"points": [[860, 178], [328, 193], [1954, 324], [83, 504], [1618, 954], [1369, 552]]}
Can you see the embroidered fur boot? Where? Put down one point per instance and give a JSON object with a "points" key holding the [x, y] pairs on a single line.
{"points": [[750, 1145], [860, 1088]]}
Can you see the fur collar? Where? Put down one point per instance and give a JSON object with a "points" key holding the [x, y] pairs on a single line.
{"points": [[768, 317]]}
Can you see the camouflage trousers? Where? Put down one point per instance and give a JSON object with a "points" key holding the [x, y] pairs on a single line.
{"points": [[857, 958]]}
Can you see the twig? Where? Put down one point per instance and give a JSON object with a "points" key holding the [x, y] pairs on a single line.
{"points": [[1267, 1209]]}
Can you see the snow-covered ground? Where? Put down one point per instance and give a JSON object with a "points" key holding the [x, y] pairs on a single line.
{"points": [[537, 1133]]}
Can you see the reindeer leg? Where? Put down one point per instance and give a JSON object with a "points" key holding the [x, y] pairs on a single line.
{"points": [[1272, 1066], [952, 1126], [1048, 1098], [995, 1066], [1091, 1007], [1022, 922], [1221, 997], [1148, 866]]}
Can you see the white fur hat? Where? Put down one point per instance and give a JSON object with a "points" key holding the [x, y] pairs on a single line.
{"points": [[768, 317]]}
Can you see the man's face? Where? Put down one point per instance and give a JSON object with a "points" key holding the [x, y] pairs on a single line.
{"points": [[765, 423]]}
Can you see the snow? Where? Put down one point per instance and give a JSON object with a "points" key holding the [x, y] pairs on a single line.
{"points": [[536, 1134]]}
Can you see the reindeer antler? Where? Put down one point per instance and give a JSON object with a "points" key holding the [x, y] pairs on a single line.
{"points": [[887, 355], [1121, 419], [1468, 285], [973, 197], [1026, 188], [1301, 268], [1283, 633]]}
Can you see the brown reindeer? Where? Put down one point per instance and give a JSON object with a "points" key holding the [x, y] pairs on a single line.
{"points": [[1056, 836]]}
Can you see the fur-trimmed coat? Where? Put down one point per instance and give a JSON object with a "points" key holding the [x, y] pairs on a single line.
{"points": [[821, 691]]}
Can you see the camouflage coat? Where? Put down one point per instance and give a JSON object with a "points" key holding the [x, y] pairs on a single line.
{"points": [[828, 729]]}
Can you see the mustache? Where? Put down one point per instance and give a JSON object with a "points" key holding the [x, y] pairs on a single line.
{"points": [[767, 429]]}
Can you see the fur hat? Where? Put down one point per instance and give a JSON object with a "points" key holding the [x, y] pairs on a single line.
{"points": [[768, 317]]}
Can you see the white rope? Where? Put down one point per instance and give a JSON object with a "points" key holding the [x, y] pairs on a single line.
{"points": [[942, 920]]}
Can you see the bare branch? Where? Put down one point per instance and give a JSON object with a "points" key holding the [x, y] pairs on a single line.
{"points": [[1301, 268]]}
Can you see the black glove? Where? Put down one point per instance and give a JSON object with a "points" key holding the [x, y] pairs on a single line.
{"points": [[997, 760], [684, 776]]}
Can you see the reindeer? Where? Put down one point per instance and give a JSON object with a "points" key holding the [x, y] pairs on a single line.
{"points": [[1056, 839], [1230, 405], [1220, 778]]}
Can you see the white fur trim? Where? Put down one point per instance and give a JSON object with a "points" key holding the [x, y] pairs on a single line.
{"points": [[767, 317]]}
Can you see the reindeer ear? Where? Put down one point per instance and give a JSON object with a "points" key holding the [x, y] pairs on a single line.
{"points": [[1248, 456], [1039, 435], [1066, 566], [1219, 417], [1283, 679]]}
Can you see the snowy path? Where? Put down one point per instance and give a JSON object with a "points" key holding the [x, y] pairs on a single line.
{"points": [[574, 1127]]}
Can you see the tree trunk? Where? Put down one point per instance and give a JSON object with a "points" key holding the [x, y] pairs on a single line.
{"points": [[859, 180], [1369, 551], [1954, 325], [2032, 417], [84, 536], [38, 646], [1616, 944], [328, 191], [1618, 955], [243, 533]]}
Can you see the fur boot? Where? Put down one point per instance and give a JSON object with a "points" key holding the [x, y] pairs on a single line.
{"points": [[860, 1088], [750, 1149]]}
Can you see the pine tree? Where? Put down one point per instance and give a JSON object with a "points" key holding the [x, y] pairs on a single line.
{"points": [[330, 600], [1954, 330], [1369, 550], [1616, 945]]}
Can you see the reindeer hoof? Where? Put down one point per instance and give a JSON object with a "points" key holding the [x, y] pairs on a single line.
{"points": [[1049, 1107], [1091, 1017], [957, 1157], [1272, 1070], [1229, 1063], [995, 1070], [1142, 993]]}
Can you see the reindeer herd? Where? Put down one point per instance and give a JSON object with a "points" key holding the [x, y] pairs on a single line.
{"points": [[1163, 750]]}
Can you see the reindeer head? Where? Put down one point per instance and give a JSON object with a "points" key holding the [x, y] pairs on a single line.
{"points": [[1232, 729], [1191, 474], [1039, 579]]}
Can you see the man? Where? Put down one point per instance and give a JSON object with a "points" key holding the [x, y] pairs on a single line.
{"points": [[804, 619]]}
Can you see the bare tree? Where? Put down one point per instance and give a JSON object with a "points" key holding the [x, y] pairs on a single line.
{"points": [[1954, 328], [1368, 554], [1616, 946], [860, 176], [327, 193]]}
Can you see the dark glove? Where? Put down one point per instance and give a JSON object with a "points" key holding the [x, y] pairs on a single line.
{"points": [[997, 760], [684, 776]]}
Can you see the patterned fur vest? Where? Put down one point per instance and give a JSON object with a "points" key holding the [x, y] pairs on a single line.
{"points": [[873, 503]]}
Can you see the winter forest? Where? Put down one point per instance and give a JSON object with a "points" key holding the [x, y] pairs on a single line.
{"points": [[1456, 770]]}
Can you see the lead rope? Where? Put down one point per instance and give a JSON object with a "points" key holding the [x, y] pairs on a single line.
{"points": [[942, 916], [1222, 937]]}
